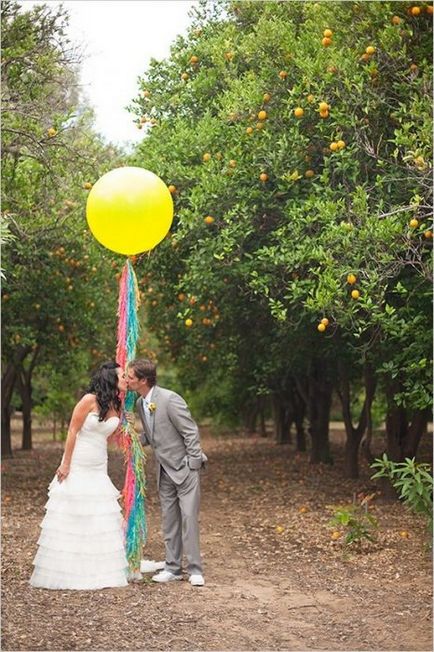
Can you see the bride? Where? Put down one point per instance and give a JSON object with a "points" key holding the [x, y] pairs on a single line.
{"points": [[81, 543]]}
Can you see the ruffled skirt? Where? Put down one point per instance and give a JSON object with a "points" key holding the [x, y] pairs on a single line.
{"points": [[81, 542]]}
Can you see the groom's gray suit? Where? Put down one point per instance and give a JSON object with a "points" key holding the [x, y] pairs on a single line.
{"points": [[174, 437]]}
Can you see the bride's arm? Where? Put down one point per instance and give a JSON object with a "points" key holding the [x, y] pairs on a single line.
{"points": [[80, 412], [111, 439]]}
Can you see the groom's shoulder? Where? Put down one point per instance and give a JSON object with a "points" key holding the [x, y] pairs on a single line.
{"points": [[163, 392]]}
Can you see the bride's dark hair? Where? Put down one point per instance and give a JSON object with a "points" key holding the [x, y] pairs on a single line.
{"points": [[104, 384]]}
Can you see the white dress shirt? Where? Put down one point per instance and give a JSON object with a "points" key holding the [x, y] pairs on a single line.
{"points": [[146, 400]]}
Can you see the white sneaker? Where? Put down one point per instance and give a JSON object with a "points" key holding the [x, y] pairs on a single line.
{"points": [[196, 580], [151, 566], [165, 576]]}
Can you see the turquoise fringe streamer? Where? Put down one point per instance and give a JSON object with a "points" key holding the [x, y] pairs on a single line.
{"points": [[134, 491]]}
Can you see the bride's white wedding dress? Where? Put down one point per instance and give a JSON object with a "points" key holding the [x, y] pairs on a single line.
{"points": [[81, 543]]}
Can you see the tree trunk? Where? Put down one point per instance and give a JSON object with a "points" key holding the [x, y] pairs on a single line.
{"points": [[354, 435], [6, 442], [262, 427], [8, 383], [25, 390], [9, 378], [396, 436], [396, 425], [281, 423], [418, 428], [249, 418], [320, 400], [24, 378], [299, 415]]}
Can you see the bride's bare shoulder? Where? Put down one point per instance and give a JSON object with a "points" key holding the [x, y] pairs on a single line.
{"points": [[87, 401]]}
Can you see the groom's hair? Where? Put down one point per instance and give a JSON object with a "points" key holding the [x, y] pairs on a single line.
{"points": [[144, 369]]}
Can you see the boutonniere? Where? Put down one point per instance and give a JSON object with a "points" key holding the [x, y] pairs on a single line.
{"points": [[152, 407]]}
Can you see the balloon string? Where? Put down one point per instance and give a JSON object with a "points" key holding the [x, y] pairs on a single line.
{"points": [[134, 490]]}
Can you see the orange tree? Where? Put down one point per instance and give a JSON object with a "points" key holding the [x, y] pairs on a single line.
{"points": [[59, 291], [298, 154]]}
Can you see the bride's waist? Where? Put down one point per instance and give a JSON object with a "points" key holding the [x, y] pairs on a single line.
{"points": [[91, 452]]}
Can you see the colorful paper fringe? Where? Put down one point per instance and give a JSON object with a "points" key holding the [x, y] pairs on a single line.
{"points": [[134, 490]]}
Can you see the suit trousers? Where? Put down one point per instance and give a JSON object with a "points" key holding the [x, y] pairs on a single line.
{"points": [[180, 519]]}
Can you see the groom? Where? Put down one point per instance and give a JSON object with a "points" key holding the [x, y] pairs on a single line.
{"points": [[174, 437]]}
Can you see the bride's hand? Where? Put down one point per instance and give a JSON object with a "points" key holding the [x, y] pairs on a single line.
{"points": [[130, 417], [62, 472]]}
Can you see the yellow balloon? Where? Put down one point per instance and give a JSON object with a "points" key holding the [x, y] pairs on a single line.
{"points": [[129, 210]]}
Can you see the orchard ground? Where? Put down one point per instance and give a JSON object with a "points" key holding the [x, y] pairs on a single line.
{"points": [[275, 580]]}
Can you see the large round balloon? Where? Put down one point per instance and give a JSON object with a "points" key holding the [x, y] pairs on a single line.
{"points": [[129, 210]]}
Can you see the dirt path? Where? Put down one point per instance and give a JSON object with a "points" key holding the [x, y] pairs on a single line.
{"points": [[267, 588]]}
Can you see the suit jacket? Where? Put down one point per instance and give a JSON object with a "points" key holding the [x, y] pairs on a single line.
{"points": [[173, 435]]}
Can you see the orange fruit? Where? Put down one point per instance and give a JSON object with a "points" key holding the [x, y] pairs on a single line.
{"points": [[51, 132], [262, 115], [325, 321], [298, 112], [414, 223], [335, 535], [365, 57], [172, 189], [404, 534], [249, 130], [181, 296], [232, 163], [326, 41], [87, 185], [279, 529], [429, 9], [370, 50], [428, 234], [341, 144], [327, 33], [309, 174], [415, 11], [184, 76], [259, 125], [351, 279], [323, 106], [206, 157], [334, 147], [194, 59], [321, 328], [355, 294], [263, 177], [324, 114], [396, 20], [266, 97], [283, 74], [188, 322], [209, 219]]}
